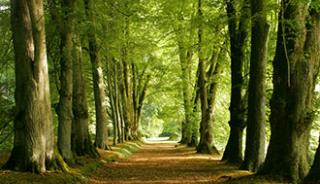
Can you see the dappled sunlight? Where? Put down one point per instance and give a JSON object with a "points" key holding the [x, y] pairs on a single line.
{"points": [[167, 162]]}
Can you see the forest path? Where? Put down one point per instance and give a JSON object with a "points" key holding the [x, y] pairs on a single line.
{"points": [[166, 162]]}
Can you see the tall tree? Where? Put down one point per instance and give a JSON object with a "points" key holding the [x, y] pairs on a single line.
{"points": [[314, 39], [185, 63], [255, 140], [207, 92], [296, 65], [33, 148], [98, 81], [64, 110], [238, 25], [184, 31], [81, 141]]}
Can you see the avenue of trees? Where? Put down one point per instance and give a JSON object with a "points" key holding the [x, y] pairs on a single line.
{"points": [[236, 78]]}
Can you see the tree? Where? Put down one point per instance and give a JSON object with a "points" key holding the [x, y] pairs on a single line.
{"points": [[64, 110], [33, 137], [314, 39], [185, 60], [81, 142], [207, 93], [238, 32], [98, 81], [184, 30], [296, 65], [129, 80], [255, 140]]}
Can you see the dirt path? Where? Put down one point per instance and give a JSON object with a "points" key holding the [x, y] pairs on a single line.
{"points": [[166, 162]]}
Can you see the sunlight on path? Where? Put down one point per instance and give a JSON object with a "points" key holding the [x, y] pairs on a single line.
{"points": [[162, 161]]}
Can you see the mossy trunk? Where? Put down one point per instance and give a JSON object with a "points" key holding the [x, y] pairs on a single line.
{"points": [[185, 63], [313, 175], [33, 147], [81, 142], [296, 66], [314, 36], [65, 102], [207, 92], [98, 82], [255, 140]]}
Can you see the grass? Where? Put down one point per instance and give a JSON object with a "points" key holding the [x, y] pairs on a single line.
{"points": [[77, 175]]}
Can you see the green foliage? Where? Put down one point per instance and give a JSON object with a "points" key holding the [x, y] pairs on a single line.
{"points": [[155, 28], [7, 81]]}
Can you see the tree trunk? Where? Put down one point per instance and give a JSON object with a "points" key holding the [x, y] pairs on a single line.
{"points": [[314, 37], [98, 83], [33, 148], [255, 140], [296, 66], [313, 175], [141, 97], [111, 89], [185, 75], [195, 100], [124, 94], [206, 128], [124, 110], [81, 142], [238, 36], [65, 102]]}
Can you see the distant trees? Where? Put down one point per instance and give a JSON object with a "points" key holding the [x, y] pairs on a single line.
{"points": [[127, 79]]}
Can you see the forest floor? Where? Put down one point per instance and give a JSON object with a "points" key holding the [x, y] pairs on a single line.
{"points": [[168, 163], [164, 162], [79, 174]]}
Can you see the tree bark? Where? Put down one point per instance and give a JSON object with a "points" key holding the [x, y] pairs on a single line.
{"points": [[33, 148], [81, 142], [313, 175], [101, 140], [296, 65], [187, 101], [65, 103], [238, 32], [111, 73], [255, 140], [314, 37], [206, 128]]}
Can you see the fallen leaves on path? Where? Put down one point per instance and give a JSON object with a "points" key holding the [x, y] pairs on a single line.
{"points": [[167, 163]]}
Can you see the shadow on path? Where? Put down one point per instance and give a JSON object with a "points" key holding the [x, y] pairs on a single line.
{"points": [[166, 162]]}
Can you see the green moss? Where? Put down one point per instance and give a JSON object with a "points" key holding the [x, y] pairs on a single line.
{"points": [[78, 175]]}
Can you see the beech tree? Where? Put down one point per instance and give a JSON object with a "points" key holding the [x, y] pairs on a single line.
{"points": [[33, 147], [207, 93], [296, 65], [127, 69], [81, 141], [255, 139], [64, 109], [238, 24], [98, 81]]}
